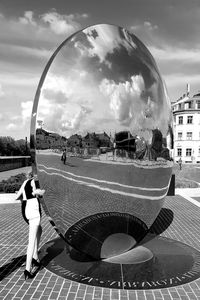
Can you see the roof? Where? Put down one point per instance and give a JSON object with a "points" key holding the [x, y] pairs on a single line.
{"points": [[186, 98], [197, 95]]}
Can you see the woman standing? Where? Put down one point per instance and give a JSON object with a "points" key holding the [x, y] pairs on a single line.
{"points": [[31, 213]]}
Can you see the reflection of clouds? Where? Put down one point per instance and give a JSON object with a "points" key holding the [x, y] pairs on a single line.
{"points": [[142, 110], [55, 86], [80, 92], [64, 103], [124, 97], [76, 121], [57, 96], [103, 40]]}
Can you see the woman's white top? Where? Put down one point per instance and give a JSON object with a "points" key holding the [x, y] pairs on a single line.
{"points": [[27, 194]]}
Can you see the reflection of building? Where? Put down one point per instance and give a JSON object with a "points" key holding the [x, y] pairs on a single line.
{"points": [[74, 140], [96, 140], [125, 145], [125, 140], [49, 140], [186, 112]]}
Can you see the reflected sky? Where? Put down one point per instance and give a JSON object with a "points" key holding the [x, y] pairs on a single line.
{"points": [[104, 79]]}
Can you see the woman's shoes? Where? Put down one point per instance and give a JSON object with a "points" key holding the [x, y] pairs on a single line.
{"points": [[28, 275], [36, 263]]}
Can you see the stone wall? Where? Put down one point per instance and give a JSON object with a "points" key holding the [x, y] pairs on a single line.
{"points": [[14, 162]]}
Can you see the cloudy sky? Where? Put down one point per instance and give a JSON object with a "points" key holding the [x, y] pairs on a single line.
{"points": [[32, 30]]}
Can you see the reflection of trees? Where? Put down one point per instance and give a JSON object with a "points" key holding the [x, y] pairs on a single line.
{"points": [[157, 147], [12, 147]]}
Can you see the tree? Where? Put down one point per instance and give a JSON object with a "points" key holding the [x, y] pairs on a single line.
{"points": [[10, 147]]}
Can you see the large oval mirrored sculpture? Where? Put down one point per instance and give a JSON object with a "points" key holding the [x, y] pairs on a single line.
{"points": [[101, 135]]}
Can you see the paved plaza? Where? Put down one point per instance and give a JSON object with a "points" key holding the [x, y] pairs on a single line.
{"points": [[47, 285]]}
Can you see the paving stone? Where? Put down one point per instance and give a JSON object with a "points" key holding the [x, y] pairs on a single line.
{"points": [[26, 297], [71, 296], [45, 285], [53, 295], [90, 297]]}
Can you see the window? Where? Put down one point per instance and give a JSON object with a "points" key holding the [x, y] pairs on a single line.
{"points": [[188, 152], [189, 119], [180, 135], [198, 104], [180, 120], [188, 105], [189, 135], [179, 152], [199, 152]]}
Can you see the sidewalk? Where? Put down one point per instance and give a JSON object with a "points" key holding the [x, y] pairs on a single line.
{"points": [[49, 286], [6, 174]]}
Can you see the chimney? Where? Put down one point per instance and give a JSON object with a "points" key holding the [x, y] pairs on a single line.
{"points": [[188, 89]]}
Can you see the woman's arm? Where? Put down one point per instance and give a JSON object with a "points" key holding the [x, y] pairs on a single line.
{"points": [[33, 187], [36, 192], [19, 194]]}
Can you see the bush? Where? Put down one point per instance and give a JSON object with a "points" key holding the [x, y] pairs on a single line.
{"points": [[12, 184], [184, 183]]}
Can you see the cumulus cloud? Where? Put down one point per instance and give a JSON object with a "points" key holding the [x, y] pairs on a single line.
{"points": [[103, 40], [76, 121], [58, 88], [149, 26], [1, 91], [136, 107], [28, 18], [11, 126], [26, 108], [62, 24], [171, 54], [44, 30], [62, 104], [124, 97]]}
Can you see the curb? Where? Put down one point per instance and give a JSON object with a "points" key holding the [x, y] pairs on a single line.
{"points": [[8, 198]]}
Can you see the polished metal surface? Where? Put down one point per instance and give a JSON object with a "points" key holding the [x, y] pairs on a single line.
{"points": [[102, 99]]}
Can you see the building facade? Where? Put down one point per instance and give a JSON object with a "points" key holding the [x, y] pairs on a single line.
{"points": [[186, 114], [49, 140]]}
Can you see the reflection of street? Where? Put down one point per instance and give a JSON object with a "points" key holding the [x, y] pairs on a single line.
{"points": [[112, 187], [84, 187], [119, 172]]}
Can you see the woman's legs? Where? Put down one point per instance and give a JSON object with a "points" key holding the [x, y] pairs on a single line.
{"points": [[38, 236], [32, 241]]}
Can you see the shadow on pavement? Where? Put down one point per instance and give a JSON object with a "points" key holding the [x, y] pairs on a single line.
{"points": [[161, 223], [10, 267]]}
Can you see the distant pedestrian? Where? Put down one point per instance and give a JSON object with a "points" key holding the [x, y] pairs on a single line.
{"points": [[64, 157], [180, 163], [31, 212]]}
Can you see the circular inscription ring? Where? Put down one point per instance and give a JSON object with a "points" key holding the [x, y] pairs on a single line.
{"points": [[173, 264]]}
